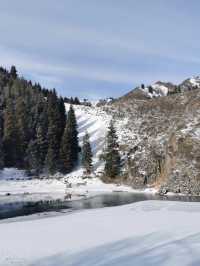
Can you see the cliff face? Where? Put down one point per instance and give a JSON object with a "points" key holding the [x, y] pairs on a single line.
{"points": [[160, 140]]}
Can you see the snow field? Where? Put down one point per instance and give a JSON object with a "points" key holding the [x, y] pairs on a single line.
{"points": [[143, 234]]}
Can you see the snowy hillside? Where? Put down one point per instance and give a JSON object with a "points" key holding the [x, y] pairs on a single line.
{"points": [[156, 90], [94, 121], [142, 234], [193, 82], [91, 119], [160, 88]]}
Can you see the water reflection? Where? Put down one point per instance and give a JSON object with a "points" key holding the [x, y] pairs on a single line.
{"points": [[14, 209]]}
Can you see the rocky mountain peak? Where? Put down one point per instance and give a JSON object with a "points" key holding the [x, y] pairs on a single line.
{"points": [[191, 83]]}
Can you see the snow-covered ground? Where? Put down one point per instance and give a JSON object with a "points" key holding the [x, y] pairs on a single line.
{"points": [[36, 189], [151, 233], [18, 186]]}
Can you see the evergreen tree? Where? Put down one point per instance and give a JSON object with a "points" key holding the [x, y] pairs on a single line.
{"points": [[63, 117], [76, 101], [87, 154], [13, 72], [37, 147], [53, 135], [10, 140], [32, 122], [1, 154], [66, 161], [42, 146], [69, 145], [33, 157], [111, 155], [1, 142], [72, 124], [51, 161], [21, 115]]}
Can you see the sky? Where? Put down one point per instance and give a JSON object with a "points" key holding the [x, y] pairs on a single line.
{"points": [[100, 48]]}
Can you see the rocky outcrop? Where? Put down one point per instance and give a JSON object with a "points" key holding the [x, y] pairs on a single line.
{"points": [[160, 140]]}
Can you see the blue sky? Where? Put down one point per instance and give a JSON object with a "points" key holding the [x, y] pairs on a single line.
{"points": [[93, 49]]}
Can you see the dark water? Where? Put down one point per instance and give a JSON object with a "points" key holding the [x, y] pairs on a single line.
{"points": [[8, 210]]}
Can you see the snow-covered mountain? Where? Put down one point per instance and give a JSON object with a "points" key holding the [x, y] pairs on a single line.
{"points": [[160, 138], [157, 89], [191, 83], [160, 88], [158, 134]]}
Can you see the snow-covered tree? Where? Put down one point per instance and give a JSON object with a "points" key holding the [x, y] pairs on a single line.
{"points": [[69, 148], [111, 154], [87, 154]]}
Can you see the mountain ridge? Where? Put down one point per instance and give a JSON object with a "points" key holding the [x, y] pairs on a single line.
{"points": [[160, 140], [161, 88]]}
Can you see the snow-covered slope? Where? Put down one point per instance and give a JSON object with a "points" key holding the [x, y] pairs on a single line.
{"points": [[94, 121], [157, 89], [160, 88], [160, 140], [91, 119], [195, 81], [143, 234], [190, 83]]}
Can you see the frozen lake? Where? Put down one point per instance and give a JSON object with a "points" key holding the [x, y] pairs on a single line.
{"points": [[27, 207]]}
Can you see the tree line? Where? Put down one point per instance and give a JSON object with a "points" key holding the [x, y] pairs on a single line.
{"points": [[35, 131], [38, 135]]}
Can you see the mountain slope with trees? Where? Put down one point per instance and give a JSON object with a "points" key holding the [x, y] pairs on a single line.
{"points": [[32, 124], [155, 140]]}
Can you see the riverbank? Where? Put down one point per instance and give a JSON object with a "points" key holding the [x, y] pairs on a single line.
{"points": [[15, 186], [144, 233]]}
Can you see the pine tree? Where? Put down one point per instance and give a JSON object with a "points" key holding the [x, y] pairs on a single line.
{"points": [[13, 72], [1, 142], [41, 136], [69, 145], [53, 135], [10, 139], [63, 117], [111, 155], [42, 145], [66, 161], [21, 115], [1, 155], [51, 161], [33, 157], [72, 124], [76, 101], [87, 154]]}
